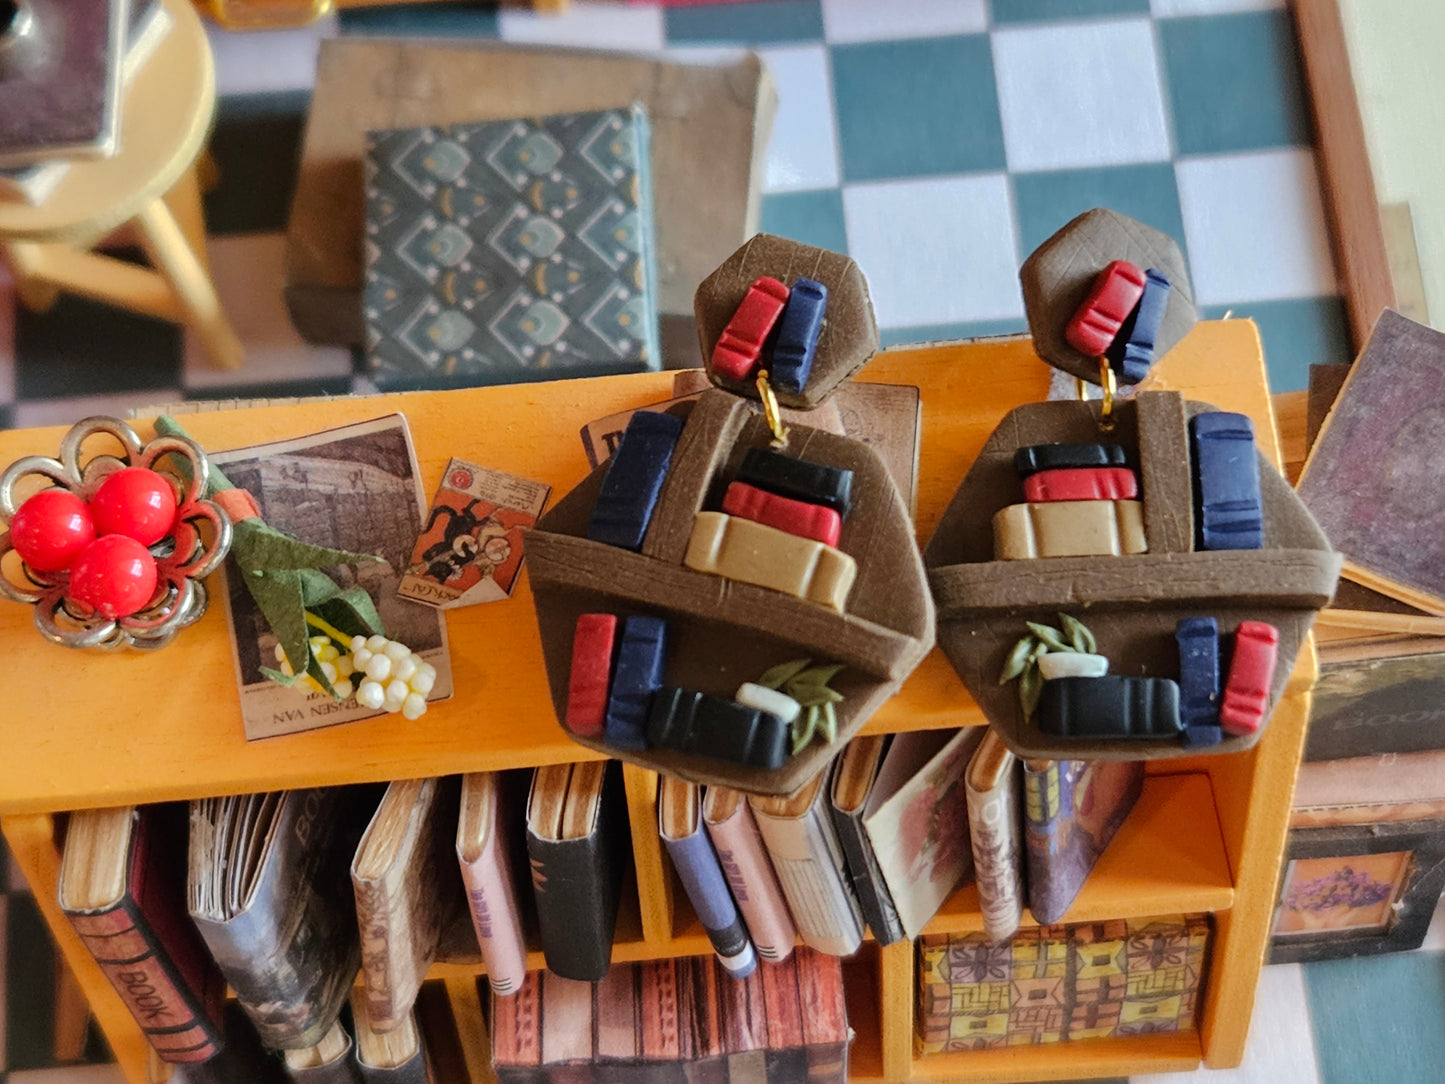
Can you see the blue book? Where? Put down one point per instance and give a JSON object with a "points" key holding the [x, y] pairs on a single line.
{"points": [[1132, 353], [1198, 639], [797, 337], [636, 675], [633, 482], [679, 822], [1226, 482]]}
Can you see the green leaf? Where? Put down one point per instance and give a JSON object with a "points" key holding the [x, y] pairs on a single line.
{"points": [[818, 675], [784, 671], [829, 724], [1049, 635], [1031, 687], [1018, 658], [803, 734], [1079, 635]]}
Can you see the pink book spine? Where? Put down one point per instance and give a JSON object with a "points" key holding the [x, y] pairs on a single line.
{"points": [[750, 875], [496, 917]]}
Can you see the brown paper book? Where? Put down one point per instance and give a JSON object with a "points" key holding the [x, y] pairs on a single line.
{"points": [[328, 1062], [710, 126], [1370, 790], [408, 888]]}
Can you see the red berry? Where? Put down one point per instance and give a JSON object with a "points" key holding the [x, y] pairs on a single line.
{"points": [[50, 529], [115, 575], [135, 502]]}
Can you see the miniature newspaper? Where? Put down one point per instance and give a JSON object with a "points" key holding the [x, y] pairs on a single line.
{"points": [[353, 488]]}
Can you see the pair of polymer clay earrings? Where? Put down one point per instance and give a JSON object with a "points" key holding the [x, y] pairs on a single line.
{"points": [[1121, 577]]}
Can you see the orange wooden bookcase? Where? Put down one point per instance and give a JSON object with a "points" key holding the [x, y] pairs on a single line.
{"points": [[94, 730]]}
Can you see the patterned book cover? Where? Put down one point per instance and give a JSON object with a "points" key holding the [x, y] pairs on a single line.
{"points": [[1072, 808], [511, 250], [1049, 984]]}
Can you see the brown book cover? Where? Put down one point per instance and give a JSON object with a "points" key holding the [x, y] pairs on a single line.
{"points": [[826, 1034], [710, 125], [268, 890], [123, 888], [517, 1033], [408, 888], [1370, 790]]}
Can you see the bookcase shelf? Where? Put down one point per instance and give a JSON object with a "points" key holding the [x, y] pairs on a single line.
{"points": [[101, 730]]}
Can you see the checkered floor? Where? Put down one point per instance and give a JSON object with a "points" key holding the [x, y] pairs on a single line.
{"points": [[938, 142]]}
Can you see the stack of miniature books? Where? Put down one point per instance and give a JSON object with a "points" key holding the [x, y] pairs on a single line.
{"points": [[63, 67]]}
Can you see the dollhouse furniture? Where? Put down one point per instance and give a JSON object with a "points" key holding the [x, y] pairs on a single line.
{"points": [[150, 187], [95, 730]]}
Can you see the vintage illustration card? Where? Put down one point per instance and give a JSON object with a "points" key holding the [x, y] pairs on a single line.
{"points": [[470, 550], [353, 488]]}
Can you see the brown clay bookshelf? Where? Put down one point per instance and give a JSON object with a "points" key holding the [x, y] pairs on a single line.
{"points": [[96, 730]]}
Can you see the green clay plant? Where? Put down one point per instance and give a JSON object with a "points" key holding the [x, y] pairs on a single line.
{"points": [[808, 685], [1023, 660]]}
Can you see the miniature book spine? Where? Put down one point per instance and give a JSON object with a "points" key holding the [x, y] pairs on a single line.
{"points": [[496, 917], [740, 345], [566, 1025], [1112, 706], [799, 479], [401, 912], [786, 1057], [412, 1071], [710, 726], [1226, 470], [797, 338], [590, 679], [517, 1033], [641, 653], [1082, 484], [825, 1017], [1251, 673], [1132, 353], [740, 549], [1115, 292], [815, 521], [993, 825], [174, 1019], [1198, 639], [633, 482], [754, 884], [1032, 458], [702, 879], [1068, 529], [809, 864], [874, 899]]}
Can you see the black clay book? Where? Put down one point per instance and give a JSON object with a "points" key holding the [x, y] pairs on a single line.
{"points": [[578, 842], [269, 890]]}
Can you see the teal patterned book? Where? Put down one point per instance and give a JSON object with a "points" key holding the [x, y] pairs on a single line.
{"points": [[510, 251]]}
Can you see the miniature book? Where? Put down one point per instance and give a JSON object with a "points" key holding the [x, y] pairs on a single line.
{"points": [[268, 889], [917, 821], [1371, 477], [395, 1056], [470, 549], [511, 250], [804, 848], [123, 888], [749, 872], [61, 76], [578, 842], [674, 1020], [488, 831], [996, 833], [1049, 984], [1072, 808], [355, 488], [408, 887], [852, 784]]}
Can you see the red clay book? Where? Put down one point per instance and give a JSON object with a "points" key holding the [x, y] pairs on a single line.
{"points": [[123, 888]]}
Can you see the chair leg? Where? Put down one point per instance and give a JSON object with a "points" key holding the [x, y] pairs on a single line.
{"points": [[166, 244], [184, 201], [34, 293]]}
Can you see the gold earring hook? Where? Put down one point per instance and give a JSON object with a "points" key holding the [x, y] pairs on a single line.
{"points": [[1110, 387], [771, 411]]}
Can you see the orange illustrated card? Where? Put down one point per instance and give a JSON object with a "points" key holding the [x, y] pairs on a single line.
{"points": [[470, 550]]}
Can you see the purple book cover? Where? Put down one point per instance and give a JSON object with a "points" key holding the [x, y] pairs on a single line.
{"points": [[1072, 810]]}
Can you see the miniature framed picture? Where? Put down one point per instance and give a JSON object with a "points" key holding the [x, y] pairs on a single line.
{"points": [[1357, 890]]}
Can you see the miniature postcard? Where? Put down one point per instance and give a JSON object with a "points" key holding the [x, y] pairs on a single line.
{"points": [[355, 488], [470, 550]]}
